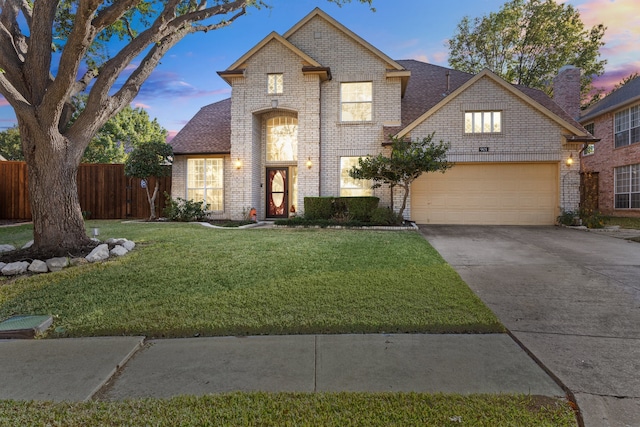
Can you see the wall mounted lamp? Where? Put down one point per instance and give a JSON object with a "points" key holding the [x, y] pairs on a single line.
{"points": [[570, 160], [274, 103], [309, 163], [238, 163]]}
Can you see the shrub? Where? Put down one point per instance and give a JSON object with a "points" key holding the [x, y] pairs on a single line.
{"points": [[184, 210], [360, 208], [385, 216], [319, 207], [592, 218], [567, 218]]}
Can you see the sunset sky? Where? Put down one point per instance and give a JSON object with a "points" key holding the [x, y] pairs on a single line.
{"points": [[403, 29]]}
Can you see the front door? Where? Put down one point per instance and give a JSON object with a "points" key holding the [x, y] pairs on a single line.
{"points": [[277, 193]]}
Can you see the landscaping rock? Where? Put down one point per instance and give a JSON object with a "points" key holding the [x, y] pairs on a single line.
{"points": [[2, 264], [28, 244], [38, 266], [14, 268], [128, 245], [57, 264], [115, 241], [94, 239], [7, 248], [100, 253], [78, 261], [118, 251]]}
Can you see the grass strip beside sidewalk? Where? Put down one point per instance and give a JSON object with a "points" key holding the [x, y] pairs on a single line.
{"points": [[299, 409]]}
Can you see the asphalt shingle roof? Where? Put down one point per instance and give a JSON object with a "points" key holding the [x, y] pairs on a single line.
{"points": [[623, 95], [209, 131]]}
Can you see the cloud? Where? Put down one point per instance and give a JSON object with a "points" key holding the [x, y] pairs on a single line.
{"points": [[167, 84], [3, 101], [622, 20], [613, 76], [141, 105]]}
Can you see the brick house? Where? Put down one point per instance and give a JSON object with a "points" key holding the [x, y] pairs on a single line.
{"points": [[612, 166], [307, 104]]}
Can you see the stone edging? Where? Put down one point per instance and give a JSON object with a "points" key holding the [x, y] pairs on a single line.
{"points": [[99, 253]]}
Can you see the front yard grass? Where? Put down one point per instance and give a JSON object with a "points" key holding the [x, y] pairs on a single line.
{"points": [[299, 409], [186, 280], [624, 222]]}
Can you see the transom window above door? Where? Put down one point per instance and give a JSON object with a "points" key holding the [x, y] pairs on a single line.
{"points": [[282, 139], [356, 101], [275, 83]]}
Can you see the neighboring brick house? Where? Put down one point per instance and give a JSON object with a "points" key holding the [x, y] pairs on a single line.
{"points": [[306, 104], [613, 164]]}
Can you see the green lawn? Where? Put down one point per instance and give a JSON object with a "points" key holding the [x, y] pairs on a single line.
{"points": [[185, 279], [289, 409], [624, 222]]}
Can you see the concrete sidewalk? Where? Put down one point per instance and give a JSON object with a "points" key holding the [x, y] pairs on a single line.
{"points": [[85, 368]]}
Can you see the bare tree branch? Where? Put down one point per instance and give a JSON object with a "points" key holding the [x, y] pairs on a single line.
{"points": [[111, 14], [38, 58]]}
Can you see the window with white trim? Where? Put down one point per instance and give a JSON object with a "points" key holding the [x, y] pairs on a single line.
{"points": [[205, 182], [356, 102], [627, 187], [275, 83], [627, 126], [483, 122], [351, 187]]}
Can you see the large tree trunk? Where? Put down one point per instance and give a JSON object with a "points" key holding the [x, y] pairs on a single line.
{"points": [[52, 167]]}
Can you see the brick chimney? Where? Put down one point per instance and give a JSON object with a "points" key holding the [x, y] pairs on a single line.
{"points": [[566, 90]]}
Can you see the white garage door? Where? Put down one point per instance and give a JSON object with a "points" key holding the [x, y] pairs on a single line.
{"points": [[495, 193]]}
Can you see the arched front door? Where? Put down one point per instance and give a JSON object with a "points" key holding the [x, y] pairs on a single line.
{"points": [[277, 193]]}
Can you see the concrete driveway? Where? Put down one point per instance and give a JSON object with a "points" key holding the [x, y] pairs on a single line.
{"points": [[571, 297]]}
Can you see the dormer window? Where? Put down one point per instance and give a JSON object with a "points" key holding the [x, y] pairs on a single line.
{"points": [[274, 83]]}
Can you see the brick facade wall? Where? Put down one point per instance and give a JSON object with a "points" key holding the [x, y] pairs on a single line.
{"points": [[605, 159], [527, 135]]}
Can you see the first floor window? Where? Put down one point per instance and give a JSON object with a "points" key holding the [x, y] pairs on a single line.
{"points": [[350, 187], [356, 100], [205, 182], [627, 185], [483, 122]]}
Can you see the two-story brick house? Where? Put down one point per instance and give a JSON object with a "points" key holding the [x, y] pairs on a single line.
{"points": [[613, 164], [307, 104]]}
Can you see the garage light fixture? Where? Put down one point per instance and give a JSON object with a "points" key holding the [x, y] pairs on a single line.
{"points": [[570, 160]]}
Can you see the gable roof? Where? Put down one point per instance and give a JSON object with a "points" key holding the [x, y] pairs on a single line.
{"points": [[621, 97], [436, 86], [317, 12], [308, 63], [208, 132]]}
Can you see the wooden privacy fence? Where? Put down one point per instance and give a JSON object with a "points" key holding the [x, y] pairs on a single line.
{"points": [[103, 189]]}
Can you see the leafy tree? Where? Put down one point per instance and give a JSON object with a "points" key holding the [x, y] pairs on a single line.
{"points": [[51, 51], [527, 42], [147, 160], [407, 161], [122, 133], [10, 146]]}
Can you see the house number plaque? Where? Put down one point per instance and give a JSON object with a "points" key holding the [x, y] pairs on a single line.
{"points": [[483, 149]]}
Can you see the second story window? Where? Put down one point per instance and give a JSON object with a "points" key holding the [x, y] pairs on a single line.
{"points": [[483, 122], [356, 102], [627, 126], [274, 83], [590, 148]]}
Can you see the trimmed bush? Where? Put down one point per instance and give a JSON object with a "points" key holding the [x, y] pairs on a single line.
{"points": [[319, 207], [385, 216], [184, 210], [360, 208]]}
